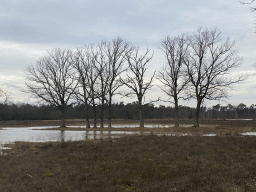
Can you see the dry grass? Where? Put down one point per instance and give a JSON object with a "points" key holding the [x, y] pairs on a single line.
{"points": [[139, 163]]}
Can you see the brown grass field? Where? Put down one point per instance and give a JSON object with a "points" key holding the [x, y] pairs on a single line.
{"points": [[226, 162]]}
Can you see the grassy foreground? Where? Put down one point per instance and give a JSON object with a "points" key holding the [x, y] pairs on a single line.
{"points": [[132, 163]]}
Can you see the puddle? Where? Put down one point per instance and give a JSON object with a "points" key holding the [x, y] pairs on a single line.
{"points": [[10, 135], [239, 119], [248, 133], [3, 148], [209, 135], [137, 126]]}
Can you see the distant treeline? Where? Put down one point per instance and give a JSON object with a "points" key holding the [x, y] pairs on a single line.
{"points": [[124, 111]]}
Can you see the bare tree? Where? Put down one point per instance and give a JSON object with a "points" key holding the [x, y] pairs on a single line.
{"points": [[172, 76], [209, 65], [250, 2], [113, 55], [101, 68], [6, 95], [51, 80], [93, 75], [84, 63], [136, 81]]}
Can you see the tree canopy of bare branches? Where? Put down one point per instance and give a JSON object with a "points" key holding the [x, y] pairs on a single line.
{"points": [[173, 78], [101, 69], [209, 64], [112, 57], [136, 80], [249, 2], [51, 80], [84, 64], [6, 95], [93, 84]]}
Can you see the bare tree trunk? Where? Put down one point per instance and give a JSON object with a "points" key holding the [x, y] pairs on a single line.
{"points": [[141, 118], [102, 112], [141, 114], [63, 117], [94, 115], [87, 114], [176, 113], [62, 135], [110, 110], [63, 123], [196, 123]]}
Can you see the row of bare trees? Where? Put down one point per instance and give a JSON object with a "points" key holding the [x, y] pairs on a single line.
{"points": [[90, 75], [197, 66]]}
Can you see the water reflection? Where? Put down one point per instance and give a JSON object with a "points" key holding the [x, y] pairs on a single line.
{"points": [[62, 136], [10, 135], [35, 134], [136, 126]]}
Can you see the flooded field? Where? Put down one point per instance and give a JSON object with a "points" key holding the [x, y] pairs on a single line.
{"points": [[43, 134], [76, 130], [36, 134]]}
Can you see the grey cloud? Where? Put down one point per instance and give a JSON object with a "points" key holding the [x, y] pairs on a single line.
{"points": [[58, 21], [14, 86], [36, 25]]}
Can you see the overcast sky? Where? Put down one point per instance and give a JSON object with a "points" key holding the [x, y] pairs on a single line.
{"points": [[31, 27]]}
